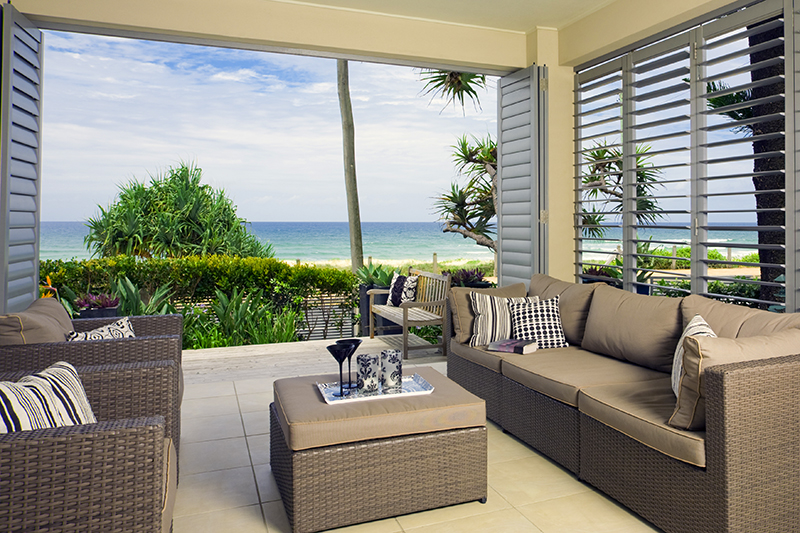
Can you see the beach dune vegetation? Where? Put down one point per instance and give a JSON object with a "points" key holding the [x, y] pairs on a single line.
{"points": [[175, 215]]}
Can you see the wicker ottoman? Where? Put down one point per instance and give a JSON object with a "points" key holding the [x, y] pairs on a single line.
{"points": [[337, 465]]}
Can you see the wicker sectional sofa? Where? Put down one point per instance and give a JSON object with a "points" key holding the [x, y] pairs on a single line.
{"points": [[601, 406]]}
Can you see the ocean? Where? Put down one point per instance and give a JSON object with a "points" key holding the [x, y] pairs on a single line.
{"points": [[312, 242], [391, 242]]}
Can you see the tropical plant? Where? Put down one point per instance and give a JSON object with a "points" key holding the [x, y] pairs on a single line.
{"points": [[379, 275], [453, 86], [174, 216], [349, 149], [463, 276], [66, 297], [135, 302], [97, 301], [470, 209]]}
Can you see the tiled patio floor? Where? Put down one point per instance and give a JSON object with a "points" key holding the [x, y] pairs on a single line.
{"points": [[226, 483]]}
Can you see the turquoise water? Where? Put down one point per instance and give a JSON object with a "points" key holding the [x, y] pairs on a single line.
{"points": [[309, 241]]}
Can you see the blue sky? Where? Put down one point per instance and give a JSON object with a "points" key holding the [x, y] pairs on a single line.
{"points": [[265, 127]]}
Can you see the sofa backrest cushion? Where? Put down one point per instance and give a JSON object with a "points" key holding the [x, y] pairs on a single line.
{"points": [[573, 304], [702, 352], [461, 307], [45, 320], [643, 330], [732, 321]]}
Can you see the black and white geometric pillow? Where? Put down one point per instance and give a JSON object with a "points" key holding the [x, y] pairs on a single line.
{"points": [[54, 397], [121, 329], [402, 289], [492, 317], [540, 321]]}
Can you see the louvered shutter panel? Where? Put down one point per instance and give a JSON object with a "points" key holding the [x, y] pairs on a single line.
{"points": [[522, 170], [20, 167]]}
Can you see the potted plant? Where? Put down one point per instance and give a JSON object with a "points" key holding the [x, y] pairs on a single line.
{"points": [[97, 305], [469, 278], [374, 277]]}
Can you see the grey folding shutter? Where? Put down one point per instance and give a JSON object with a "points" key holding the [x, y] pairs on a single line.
{"points": [[20, 166], [522, 175]]}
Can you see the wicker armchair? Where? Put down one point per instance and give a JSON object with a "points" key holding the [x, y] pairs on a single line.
{"points": [[158, 338], [110, 476]]}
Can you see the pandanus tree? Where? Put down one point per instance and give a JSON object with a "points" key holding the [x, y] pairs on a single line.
{"points": [[175, 215]]}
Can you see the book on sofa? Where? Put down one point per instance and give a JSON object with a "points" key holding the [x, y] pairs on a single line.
{"points": [[520, 346]]}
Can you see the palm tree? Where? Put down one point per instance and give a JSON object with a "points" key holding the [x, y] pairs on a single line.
{"points": [[349, 147], [453, 86]]}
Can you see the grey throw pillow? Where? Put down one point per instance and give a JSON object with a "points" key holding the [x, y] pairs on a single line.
{"points": [[696, 326]]}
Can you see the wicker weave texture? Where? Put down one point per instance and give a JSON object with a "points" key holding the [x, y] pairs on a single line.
{"points": [[104, 477], [144, 326], [335, 486], [480, 381], [548, 425]]}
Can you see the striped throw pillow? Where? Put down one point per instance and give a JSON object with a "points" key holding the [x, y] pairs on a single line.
{"points": [[696, 326], [492, 318], [54, 397]]}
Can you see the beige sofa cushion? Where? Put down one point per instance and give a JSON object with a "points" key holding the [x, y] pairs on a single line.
{"points": [[640, 410], [725, 319], [462, 308], [641, 329], [45, 320], [701, 353], [479, 356], [561, 372], [573, 304], [308, 422]]}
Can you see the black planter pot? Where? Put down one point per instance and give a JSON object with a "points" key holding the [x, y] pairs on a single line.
{"points": [[363, 309], [476, 285], [101, 312]]}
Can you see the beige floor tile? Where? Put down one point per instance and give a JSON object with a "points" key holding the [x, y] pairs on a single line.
{"points": [[267, 488], [277, 522], [241, 520], [192, 391], [505, 521], [256, 422], [202, 407], [587, 512], [494, 502], [211, 428], [255, 402], [214, 491], [259, 449], [503, 447], [253, 386], [531, 480], [389, 525], [213, 455]]}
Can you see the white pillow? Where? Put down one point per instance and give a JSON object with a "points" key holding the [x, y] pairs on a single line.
{"points": [[54, 397], [696, 326], [540, 321], [492, 317], [121, 329]]}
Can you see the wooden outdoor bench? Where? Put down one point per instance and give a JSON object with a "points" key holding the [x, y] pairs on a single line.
{"points": [[428, 309]]}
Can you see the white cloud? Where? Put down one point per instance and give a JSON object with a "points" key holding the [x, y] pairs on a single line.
{"points": [[265, 127]]}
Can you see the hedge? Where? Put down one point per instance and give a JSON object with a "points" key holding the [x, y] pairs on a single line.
{"points": [[198, 277]]}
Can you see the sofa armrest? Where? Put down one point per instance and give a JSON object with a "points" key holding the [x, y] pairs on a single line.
{"points": [[96, 477], [85, 353], [752, 441], [143, 326]]}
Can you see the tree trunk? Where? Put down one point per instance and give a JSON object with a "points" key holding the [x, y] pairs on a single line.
{"points": [[349, 146], [769, 182]]}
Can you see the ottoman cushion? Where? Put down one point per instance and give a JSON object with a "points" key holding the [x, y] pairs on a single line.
{"points": [[308, 422]]}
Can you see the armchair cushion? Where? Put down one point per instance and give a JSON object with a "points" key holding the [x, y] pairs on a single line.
{"points": [[45, 320], [52, 398], [121, 329]]}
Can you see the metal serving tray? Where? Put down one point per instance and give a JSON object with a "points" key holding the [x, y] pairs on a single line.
{"points": [[413, 385]]}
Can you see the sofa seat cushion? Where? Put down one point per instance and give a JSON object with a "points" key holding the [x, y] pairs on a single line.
{"points": [[640, 329], [479, 355], [561, 372], [640, 410], [461, 307], [45, 320], [573, 303], [308, 422], [733, 321]]}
